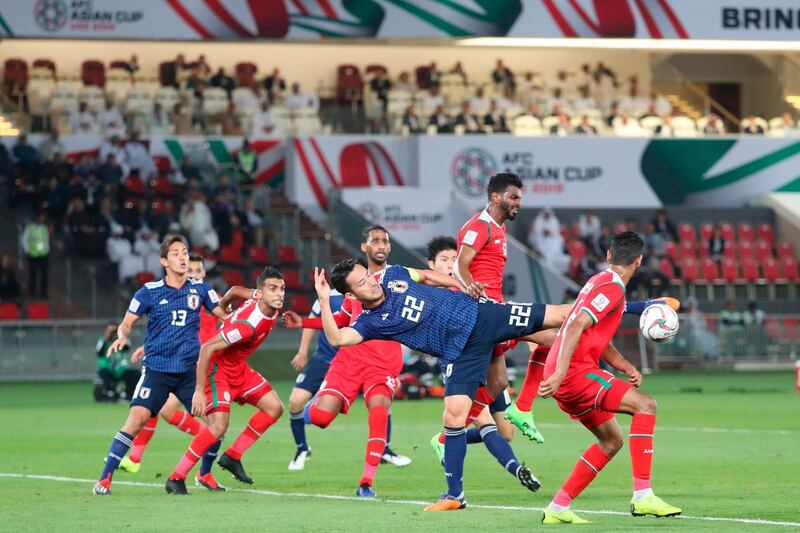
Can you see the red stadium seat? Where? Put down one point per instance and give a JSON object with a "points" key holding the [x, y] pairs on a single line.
{"points": [[773, 328], [45, 63], [671, 251], [766, 233], [292, 279], [686, 232], [706, 231], [689, 269], [375, 68], [134, 185], [576, 249], [730, 269], [349, 85], [763, 250], [785, 249], [790, 268], [230, 256], [163, 67], [237, 241], [119, 63], [666, 268], [258, 254], [749, 269], [727, 231], [233, 277], [144, 277], [9, 312], [575, 232], [710, 270], [688, 249], [746, 249], [746, 232], [93, 72], [703, 249], [771, 269], [564, 232], [791, 327], [421, 74], [619, 227], [162, 186], [15, 75], [300, 304], [162, 163], [245, 74], [287, 255], [37, 311], [729, 249]]}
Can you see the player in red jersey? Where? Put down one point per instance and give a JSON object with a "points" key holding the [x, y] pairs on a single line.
{"points": [[223, 376], [371, 368], [171, 412], [592, 396]]}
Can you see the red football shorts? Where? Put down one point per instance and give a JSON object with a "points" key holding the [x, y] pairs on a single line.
{"points": [[591, 397], [241, 385], [351, 373]]}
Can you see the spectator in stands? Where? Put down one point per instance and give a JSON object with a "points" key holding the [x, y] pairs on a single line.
{"points": [[495, 119], [181, 122], [602, 70], [545, 220], [665, 129], [188, 169], [716, 245], [230, 121], [57, 167], [557, 102], [203, 67], [625, 127], [551, 248], [561, 129], [613, 114], [433, 99], [94, 191], [148, 248], [479, 103], [223, 81], [195, 218], [26, 157], [506, 101], [694, 330], [138, 157], [588, 226], [458, 69], [659, 104], [381, 85], [753, 316], [442, 121], [158, 120], [86, 229], [120, 253], [653, 240], [468, 119], [732, 329], [584, 101], [246, 99], [193, 81], [10, 290], [789, 125], [412, 121], [633, 104], [751, 127], [298, 99], [532, 111], [650, 274], [110, 121], [664, 226], [714, 126], [111, 146], [246, 162], [35, 242], [431, 77], [502, 75], [107, 215], [54, 197], [562, 83], [82, 121], [51, 146], [404, 83], [175, 72], [528, 89], [651, 112], [274, 85], [263, 125], [84, 166], [253, 219], [585, 127]]}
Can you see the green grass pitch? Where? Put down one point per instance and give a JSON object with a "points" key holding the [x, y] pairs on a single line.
{"points": [[726, 448]]}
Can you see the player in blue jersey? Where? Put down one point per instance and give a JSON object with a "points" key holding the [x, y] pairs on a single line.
{"points": [[309, 380], [457, 328], [172, 305]]}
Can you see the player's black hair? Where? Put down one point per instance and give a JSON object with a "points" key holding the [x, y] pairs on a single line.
{"points": [[366, 231], [502, 181], [626, 246], [340, 272], [440, 244], [269, 272], [196, 258], [169, 240]]}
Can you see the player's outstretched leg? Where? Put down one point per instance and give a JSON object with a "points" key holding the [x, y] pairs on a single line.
{"points": [[122, 442], [379, 400], [297, 401], [502, 451], [132, 462], [389, 455], [270, 410], [456, 408], [482, 399], [520, 413]]}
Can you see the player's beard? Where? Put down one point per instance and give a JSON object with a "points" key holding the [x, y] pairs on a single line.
{"points": [[508, 211]]}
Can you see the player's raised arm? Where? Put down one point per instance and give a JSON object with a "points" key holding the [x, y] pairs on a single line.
{"points": [[571, 336], [336, 337], [237, 294], [123, 332], [435, 279], [613, 357]]}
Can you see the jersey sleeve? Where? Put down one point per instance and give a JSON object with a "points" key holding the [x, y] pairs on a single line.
{"points": [[362, 326], [316, 309], [140, 303], [237, 332], [603, 300], [210, 299], [476, 235]]}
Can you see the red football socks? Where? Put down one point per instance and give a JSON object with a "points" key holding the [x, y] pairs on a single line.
{"points": [[142, 438], [588, 466], [319, 417], [199, 445], [530, 387], [482, 398], [641, 447], [256, 426], [185, 422], [378, 416]]}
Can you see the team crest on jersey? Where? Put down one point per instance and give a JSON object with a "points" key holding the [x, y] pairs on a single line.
{"points": [[398, 286], [193, 301]]}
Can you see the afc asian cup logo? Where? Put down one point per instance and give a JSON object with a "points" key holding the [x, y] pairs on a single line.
{"points": [[51, 15], [371, 212], [193, 301], [471, 170]]}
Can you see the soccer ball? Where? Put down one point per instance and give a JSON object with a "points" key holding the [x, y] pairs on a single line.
{"points": [[659, 323]]}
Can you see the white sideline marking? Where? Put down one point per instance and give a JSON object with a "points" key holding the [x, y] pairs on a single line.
{"points": [[753, 521], [689, 429]]}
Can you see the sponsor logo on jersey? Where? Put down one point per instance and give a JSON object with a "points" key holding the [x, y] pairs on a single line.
{"points": [[193, 301], [213, 296], [384, 316], [469, 237], [398, 285], [234, 336], [134, 305], [600, 302], [227, 396]]}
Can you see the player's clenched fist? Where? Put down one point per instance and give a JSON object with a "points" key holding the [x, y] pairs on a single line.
{"points": [[291, 320], [198, 403]]}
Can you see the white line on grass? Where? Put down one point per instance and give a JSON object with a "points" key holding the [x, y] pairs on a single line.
{"points": [[753, 521]]}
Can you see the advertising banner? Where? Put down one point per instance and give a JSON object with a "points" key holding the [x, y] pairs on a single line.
{"points": [[234, 20], [413, 216]]}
